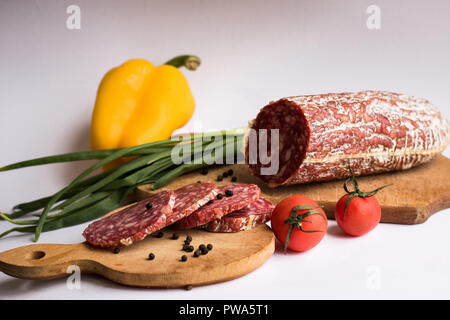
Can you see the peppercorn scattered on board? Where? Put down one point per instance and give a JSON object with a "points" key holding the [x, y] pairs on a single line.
{"points": [[415, 195], [232, 255]]}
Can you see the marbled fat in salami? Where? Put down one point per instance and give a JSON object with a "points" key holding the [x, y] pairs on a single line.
{"points": [[321, 136], [243, 194], [190, 198], [256, 213], [133, 223]]}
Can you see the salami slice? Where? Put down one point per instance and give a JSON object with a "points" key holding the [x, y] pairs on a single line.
{"points": [[190, 198], [242, 195], [321, 136], [133, 223], [256, 213]]}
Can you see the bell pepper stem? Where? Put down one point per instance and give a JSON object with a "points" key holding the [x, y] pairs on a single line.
{"points": [[191, 62]]}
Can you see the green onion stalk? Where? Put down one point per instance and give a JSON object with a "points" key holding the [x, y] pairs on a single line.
{"points": [[89, 196]]}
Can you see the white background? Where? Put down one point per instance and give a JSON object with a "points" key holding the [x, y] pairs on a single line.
{"points": [[252, 52]]}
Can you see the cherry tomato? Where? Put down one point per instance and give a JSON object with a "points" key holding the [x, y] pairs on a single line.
{"points": [[358, 212], [362, 215], [308, 225]]}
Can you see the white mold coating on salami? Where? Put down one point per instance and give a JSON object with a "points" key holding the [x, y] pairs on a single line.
{"points": [[190, 198], [243, 194], [370, 131], [255, 213], [133, 223]]}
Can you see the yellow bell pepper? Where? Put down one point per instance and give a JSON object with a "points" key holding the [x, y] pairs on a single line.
{"points": [[139, 103]]}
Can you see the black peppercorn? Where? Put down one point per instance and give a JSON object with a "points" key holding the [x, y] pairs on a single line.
{"points": [[225, 174], [209, 246], [197, 253], [175, 236], [160, 234], [219, 196], [233, 179], [230, 172], [210, 201], [228, 193], [151, 256], [116, 250], [204, 171], [184, 258], [148, 206], [219, 178]]}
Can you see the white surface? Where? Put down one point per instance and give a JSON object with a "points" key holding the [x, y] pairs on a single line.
{"points": [[252, 52]]}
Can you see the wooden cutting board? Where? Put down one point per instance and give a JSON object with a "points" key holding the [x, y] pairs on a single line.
{"points": [[416, 193], [233, 255]]}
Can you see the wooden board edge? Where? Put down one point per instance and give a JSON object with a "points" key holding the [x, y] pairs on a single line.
{"points": [[402, 215]]}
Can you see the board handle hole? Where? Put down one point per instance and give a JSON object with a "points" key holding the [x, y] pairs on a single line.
{"points": [[36, 255]]}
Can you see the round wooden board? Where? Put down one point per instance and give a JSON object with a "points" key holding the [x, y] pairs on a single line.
{"points": [[233, 255]]}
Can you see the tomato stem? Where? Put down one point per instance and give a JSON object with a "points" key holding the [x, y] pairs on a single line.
{"points": [[357, 192], [296, 219]]}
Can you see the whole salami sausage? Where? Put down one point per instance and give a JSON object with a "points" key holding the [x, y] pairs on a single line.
{"points": [[256, 213], [230, 198], [133, 223], [321, 136]]}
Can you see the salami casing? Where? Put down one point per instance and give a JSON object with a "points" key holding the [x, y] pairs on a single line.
{"points": [[243, 194], [321, 136], [256, 213], [133, 223]]}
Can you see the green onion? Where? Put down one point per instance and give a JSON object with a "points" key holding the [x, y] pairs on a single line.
{"points": [[89, 196]]}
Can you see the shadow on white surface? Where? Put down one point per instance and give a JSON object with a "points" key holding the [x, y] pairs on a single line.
{"points": [[14, 288], [336, 232], [79, 141]]}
